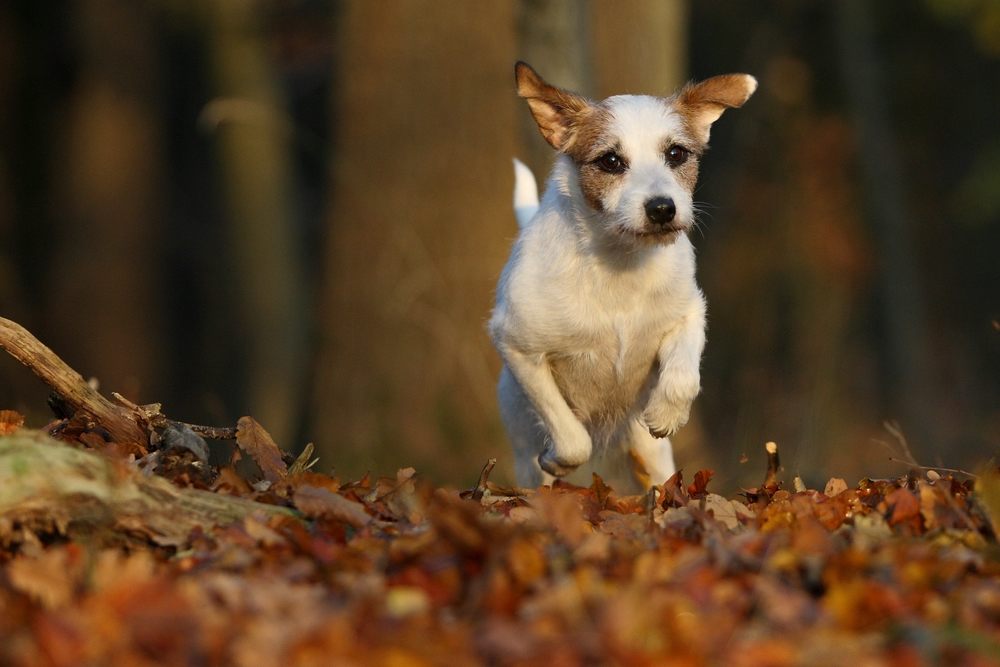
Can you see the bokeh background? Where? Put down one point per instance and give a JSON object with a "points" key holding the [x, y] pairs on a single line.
{"points": [[298, 209]]}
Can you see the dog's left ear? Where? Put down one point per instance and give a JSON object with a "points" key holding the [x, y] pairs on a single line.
{"points": [[704, 102]]}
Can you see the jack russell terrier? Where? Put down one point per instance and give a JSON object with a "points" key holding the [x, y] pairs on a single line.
{"points": [[598, 318]]}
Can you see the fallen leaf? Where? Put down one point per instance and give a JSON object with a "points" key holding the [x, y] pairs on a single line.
{"points": [[255, 441], [834, 486], [10, 421], [47, 578], [730, 512], [904, 509], [701, 479], [673, 491], [315, 501]]}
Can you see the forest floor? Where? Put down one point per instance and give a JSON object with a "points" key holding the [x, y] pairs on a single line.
{"points": [[392, 571]]}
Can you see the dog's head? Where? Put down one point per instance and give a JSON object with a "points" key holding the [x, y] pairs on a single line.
{"points": [[636, 155]]}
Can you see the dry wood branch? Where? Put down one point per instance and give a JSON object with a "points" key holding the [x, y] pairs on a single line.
{"points": [[46, 485], [484, 477], [773, 463], [119, 422], [125, 421]]}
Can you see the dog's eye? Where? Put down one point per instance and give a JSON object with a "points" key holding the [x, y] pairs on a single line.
{"points": [[611, 163], [677, 155]]}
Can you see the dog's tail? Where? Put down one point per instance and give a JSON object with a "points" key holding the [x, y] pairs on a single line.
{"points": [[525, 194]]}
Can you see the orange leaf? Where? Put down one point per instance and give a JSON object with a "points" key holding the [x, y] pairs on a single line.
{"points": [[698, 489], [10, 421], [600, 489], [904, 507], [673, 491], [255, 441]]}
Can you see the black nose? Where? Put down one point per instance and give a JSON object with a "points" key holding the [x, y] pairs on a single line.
{"points": [[660, 210]]}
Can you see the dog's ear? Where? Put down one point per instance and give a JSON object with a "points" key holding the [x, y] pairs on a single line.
{"points": [[555, 110], [703, 103]]}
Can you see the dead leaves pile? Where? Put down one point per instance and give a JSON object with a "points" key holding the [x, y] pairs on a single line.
{"points": [[394, 572]]}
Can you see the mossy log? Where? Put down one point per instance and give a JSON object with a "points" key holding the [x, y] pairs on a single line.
{"points": [[50, 487]]}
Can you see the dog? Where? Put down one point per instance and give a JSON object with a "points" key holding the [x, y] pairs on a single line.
{"points": [[598, 319]]}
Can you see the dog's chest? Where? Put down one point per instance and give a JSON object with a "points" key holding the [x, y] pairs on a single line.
{"points": [[608, 355]]}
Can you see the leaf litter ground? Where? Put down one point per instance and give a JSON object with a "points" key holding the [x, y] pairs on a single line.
{"points": [[395, 572]]}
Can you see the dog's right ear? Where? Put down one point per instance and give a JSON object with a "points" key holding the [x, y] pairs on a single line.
{"points": [[555, 110]]}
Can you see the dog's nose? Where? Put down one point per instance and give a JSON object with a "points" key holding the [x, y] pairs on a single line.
{"points": [[660, 210]]}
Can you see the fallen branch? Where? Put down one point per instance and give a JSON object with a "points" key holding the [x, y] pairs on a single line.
{"points": [[119, 422], [123, 420], [47, 487], [484, 477]]}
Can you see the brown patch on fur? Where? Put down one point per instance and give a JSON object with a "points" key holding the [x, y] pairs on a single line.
{"points": [[687, 173], [590, 143], [701, 104]]}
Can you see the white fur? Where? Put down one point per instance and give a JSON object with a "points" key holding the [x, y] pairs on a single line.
{"points": [[600, 329], [525, 194]]}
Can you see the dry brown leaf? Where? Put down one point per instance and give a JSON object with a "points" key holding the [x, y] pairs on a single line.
{"points": [[905, 508], [729, 512], [701, 479], [316, 501], [527, 564], [563, 512], [10, 421], [47, 578], [834, 486], [255, 441]]}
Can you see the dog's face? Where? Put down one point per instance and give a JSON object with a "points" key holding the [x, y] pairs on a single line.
{"points": [[636, 156]]}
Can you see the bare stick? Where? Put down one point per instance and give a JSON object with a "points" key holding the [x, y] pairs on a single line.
{"points": [[484, 477], [773, 463], [119, 422], [934, 468], [210, 432]]}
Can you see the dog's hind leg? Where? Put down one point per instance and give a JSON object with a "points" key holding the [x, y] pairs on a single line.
{"points": [[656, 453], [525, 429]]}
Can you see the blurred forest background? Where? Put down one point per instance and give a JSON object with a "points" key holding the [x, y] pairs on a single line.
{"points": [[299, 209]]}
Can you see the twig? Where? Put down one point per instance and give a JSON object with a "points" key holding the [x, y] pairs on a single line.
{"points": [[210, 432], [914, 465], [484, 477], [895, 431], [773, 463]]}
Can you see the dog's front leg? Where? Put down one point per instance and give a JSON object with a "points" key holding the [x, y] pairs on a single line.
{"points": [[570, 444], [679, 379]]}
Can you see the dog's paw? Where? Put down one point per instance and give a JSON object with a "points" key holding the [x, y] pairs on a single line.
{"points": [[550, 463], [666, 413], [561, 460]]}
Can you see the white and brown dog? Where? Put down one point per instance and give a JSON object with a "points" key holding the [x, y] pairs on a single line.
{"points": [[598, 318]]}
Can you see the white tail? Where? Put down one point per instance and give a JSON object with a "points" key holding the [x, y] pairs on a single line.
{"points": [[525, 194]]}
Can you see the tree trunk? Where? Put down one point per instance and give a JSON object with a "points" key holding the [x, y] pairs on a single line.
{"points": [[420, 223], [901, 300], [253, 133]]}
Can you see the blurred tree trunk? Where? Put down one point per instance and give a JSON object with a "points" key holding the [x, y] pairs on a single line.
{"points": [[254, 133], [554, 38], [420, 224], [901, 298], [108, 192], [640, 46]]}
